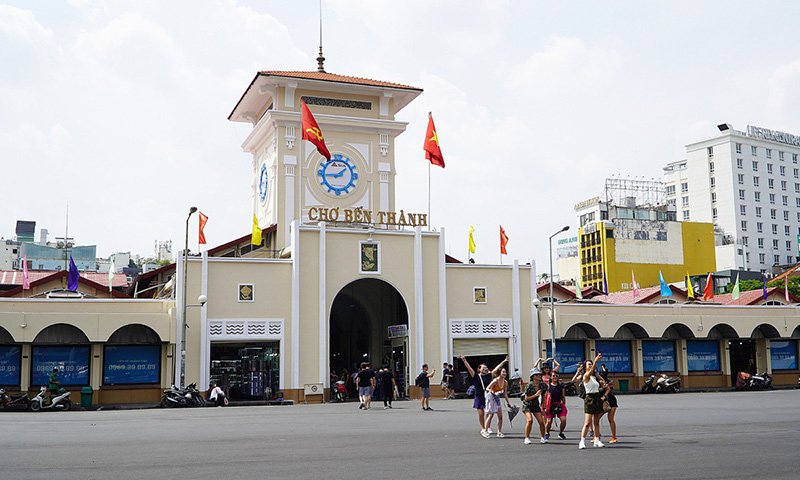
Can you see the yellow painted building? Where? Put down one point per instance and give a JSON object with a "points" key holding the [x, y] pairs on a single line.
{"points": [[613, 250]]}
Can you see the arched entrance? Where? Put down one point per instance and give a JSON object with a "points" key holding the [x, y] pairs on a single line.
{"points": [[360, 317]]}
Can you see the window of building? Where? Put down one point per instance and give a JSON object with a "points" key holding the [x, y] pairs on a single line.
{"points": [[684, 201], [783, 185], [738, 148], [786, 215], [769, 153], [796, 172], [789, 259], [762, 258], [759, 227], [783, 171], [685, 215], [741, 179], [797, 187], [794, 158], [758, 212], [773, 214], [755, 166], [713, 197], [684, 187], [780, 156], [739, 163], [785, 200], [777, 259], [744, 225], [770, 183], [755, 181], [713, 182], [775, 244], [670, 201], [757, 196], [711, 167], [744, 241], [743, 209], [772, 198], [710, 152], [670, 189], [761, 243], [714, 213], [741, 194], [753, 150], [769, 168], [788, 245], [774, 229], [797, 202]]}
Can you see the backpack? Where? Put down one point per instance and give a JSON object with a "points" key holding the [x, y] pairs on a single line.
{"points": [[420, 378]]}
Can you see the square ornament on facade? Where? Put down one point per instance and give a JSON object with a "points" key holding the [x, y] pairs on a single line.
{"points": [[246, 292], [479, 295]]}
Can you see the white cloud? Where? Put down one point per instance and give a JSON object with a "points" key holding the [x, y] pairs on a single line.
{"points": [[21, 25]]}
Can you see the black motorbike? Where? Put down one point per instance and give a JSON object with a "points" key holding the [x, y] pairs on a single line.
{"points": [[19, 401], [649, 384], [761, 381], [188, 396]]}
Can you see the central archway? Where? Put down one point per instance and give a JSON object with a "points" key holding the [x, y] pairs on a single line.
{"points": [[360, 317]]}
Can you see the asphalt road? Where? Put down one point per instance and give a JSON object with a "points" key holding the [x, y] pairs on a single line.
{"points": [[693, 435]]}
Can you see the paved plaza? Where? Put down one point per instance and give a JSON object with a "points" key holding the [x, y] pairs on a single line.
{"points": [[692, 435]]}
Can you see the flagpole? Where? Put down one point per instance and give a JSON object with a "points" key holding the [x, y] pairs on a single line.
{"points": [[429, 194]]}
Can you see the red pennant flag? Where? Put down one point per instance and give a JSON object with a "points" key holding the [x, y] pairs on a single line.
{"points": [[201, 224], [431, 145], [312, 133], [708, 292], [503, 241]]}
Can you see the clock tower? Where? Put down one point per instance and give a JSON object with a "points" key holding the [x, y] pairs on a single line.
{"points": [[357, 118]]}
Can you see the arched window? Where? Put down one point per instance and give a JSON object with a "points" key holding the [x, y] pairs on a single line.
{"points": [[64, 347], [132, 355], [773, 302], [665, 301], [10, 358]]}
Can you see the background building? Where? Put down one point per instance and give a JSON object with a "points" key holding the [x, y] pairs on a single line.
{"points": [[635, 231], [748, 185]]}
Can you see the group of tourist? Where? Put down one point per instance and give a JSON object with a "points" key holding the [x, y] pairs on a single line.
{"points": [[544, 399]]}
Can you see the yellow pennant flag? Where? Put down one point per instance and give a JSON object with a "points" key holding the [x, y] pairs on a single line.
{"points": [[471, 240], [255, 238], [689, 287]]}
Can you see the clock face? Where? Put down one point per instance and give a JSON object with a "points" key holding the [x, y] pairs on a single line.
{"points": [[263, 182], [338, 175]]}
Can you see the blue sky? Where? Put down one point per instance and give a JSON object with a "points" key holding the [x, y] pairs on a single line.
{"points": [[120, 108]]}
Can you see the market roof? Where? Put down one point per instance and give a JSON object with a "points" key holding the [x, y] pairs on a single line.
{"points": [[14, 277], [333, 77]]}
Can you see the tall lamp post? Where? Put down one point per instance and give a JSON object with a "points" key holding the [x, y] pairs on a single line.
{"points": [[183, 300], [552, 303]]}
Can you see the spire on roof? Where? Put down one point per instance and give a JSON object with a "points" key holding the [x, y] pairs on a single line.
{"points": [[320, 58]]}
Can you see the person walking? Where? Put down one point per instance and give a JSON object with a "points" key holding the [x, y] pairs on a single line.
{"points": [[365, 382], [480, 380], [424, 383], [389, 386], [592, 404], [608, 396], [531, 405], [497, 389], [445, 381], [556, 406]]}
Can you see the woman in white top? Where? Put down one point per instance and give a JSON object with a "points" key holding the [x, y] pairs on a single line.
{"points": [[593, 403]]}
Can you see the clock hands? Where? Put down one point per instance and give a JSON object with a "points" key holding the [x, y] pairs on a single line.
{"points": [[337, 174]]}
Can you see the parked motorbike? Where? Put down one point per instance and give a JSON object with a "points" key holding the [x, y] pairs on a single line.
{"points": [[185, 397], [19, 401], [666, 384], [650, 384], [570, 389], [759, 381], [58, 402], [339, 392]]}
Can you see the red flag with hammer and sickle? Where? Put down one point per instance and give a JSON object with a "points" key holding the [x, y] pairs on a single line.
{"points": [[312, 133], [431, 145]]}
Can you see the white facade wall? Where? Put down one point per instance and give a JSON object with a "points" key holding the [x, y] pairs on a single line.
{"points": [[728, 203]]}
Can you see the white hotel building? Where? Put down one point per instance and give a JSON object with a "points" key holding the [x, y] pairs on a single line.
{"points": [[748, 185]]}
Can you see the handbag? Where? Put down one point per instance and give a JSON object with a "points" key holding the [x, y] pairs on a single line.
{"points": [[556, 409], [606, 406]]}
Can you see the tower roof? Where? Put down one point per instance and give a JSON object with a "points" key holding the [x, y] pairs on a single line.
{"points": [[333, 77]]}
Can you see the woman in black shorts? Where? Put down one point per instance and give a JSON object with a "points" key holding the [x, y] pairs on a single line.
{"points": [[612, 402], [531, 405]]}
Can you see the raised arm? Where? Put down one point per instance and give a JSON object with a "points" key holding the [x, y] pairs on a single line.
{"points": [[499, 367], [466, 364], [578, 374], [591, 371], [538, 363], [556, 365]]}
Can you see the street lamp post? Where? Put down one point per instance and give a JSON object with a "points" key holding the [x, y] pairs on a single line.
{"points": [[552, 303], [183, 300]]}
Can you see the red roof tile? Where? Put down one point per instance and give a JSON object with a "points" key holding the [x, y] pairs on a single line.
{"points": [[755, 297], [14, 277], [332, 77]]}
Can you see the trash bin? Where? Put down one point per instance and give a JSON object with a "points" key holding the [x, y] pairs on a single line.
{"points": [[86, 397], [623, 385]]}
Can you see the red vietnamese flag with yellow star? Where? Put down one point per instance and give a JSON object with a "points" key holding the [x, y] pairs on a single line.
{"points": [[431, 145], [312, 133]]}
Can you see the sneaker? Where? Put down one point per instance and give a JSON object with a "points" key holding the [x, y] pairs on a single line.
{"points": [[430, 409], [547, 436], [581, 445], [489, 431], [597, 443], [562, 436], [542, 440], [527, 441], [500, 435], [386, 407], [613, 440], [484, 434], [390, 406], [361, 406]]}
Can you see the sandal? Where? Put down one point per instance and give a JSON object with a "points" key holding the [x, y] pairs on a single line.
{"points": [[500, 435]]}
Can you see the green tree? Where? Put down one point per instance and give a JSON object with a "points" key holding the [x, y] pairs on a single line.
{"points": [[745, 285]]}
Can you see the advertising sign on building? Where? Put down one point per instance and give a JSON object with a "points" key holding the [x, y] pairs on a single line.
{"points": [[616, 355], [783, 354], [9, 364], [568, 353], [72, 364], [131, 364], [702, 355], [658, 356]]}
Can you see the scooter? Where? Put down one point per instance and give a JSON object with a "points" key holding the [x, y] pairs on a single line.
{"points": [[761, 381], [649, 384], [186, 397], [19, 401], [339, 392], [59, 402], [666, 384]]}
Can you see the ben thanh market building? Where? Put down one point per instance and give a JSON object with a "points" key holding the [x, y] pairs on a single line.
{"points": [[345, 274]]}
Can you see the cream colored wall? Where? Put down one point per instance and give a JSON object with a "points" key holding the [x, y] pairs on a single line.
{"points": [[529, 355], [432, 354], [461, 278], [309, 307]]}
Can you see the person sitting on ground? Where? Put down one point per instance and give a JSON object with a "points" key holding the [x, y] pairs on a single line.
{"points": [[218, 396]]}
